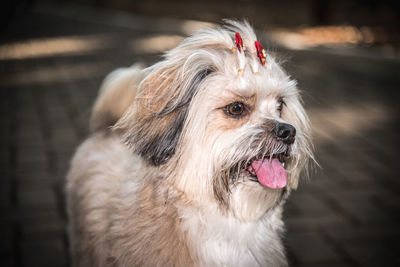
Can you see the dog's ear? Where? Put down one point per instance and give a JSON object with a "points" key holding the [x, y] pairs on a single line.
{"points": [[153, 124]]}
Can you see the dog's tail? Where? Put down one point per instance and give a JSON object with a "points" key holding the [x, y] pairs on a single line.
{"points": [[116, 94]]}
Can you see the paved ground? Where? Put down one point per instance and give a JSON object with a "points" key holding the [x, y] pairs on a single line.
{"points": [[51, 65]]}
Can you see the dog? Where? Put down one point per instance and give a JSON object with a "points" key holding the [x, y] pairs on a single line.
{"points": [[190, 160]]}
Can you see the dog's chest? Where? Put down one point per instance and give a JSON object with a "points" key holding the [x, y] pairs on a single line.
{"points": [[222, 241]]}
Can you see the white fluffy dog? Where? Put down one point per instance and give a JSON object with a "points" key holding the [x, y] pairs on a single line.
{"points": [[191, 159]]}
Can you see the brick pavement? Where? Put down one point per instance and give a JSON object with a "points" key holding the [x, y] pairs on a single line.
{"points": [[346, 214]]}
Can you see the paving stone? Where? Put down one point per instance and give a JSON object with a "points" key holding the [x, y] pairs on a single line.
{"points": [[45, 198], [36, 184], [7, 240], [43, 227], [32, 136], [64, 136], [31, 176], [32, 166], [30, 144], [312, 223], [7, 260], [365, 234], [312, 213], [43, 253], [323, 182], [31, 155], [371, 255], [360, 205], [328, 264], [310, 247], [309, 205], [58, 117], [5, 195]]}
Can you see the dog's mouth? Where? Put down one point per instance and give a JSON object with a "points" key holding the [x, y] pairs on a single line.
{"points": [[269, 171]]}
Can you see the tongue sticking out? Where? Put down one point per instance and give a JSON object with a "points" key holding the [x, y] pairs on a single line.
{"points": [[269, 173]]}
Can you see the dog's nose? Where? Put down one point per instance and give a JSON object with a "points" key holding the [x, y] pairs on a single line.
{"points": [[285, 132]]}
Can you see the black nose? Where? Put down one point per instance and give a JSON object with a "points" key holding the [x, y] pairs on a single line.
{"points": [[285, 132]]}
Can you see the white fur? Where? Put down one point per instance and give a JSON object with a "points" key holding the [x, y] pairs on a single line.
{"points": [[225, 241]]}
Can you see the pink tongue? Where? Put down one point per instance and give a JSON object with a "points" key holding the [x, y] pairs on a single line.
{"points": [[269, 173]]}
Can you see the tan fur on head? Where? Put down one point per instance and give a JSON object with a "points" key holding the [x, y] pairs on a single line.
{"points": [[185, 156]]}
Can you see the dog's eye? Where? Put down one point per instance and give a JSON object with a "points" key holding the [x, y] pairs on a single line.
{"points": [[279, 105], [236, 109]]}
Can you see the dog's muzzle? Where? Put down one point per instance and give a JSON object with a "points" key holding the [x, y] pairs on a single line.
{"points": [[269, 168]]}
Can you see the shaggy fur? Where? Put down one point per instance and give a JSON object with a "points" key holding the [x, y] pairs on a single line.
{"points": [[162, 181]]}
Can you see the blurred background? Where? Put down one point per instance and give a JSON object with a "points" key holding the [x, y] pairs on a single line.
{"points": [[344, 54]]}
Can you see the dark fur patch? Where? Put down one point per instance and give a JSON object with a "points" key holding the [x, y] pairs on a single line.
{"points": [[221, 188], [161, 147]]}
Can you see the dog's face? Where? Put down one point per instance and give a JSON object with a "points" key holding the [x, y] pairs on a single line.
{"points": [[221, 126]]}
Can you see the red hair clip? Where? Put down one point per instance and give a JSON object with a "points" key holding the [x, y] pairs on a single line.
{"points": [[260, 52], [239, 42]]}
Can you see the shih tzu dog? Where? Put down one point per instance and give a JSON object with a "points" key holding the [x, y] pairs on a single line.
{"points": [[191, 159]]}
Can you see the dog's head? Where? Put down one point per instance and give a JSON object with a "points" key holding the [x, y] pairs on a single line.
{"points": [[222, 121]]}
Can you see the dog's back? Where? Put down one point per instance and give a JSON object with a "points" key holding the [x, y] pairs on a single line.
{"points": [[98, 169]]}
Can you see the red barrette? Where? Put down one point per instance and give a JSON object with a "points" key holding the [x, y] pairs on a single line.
{"points": [[239, 42], [260, 52]]}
